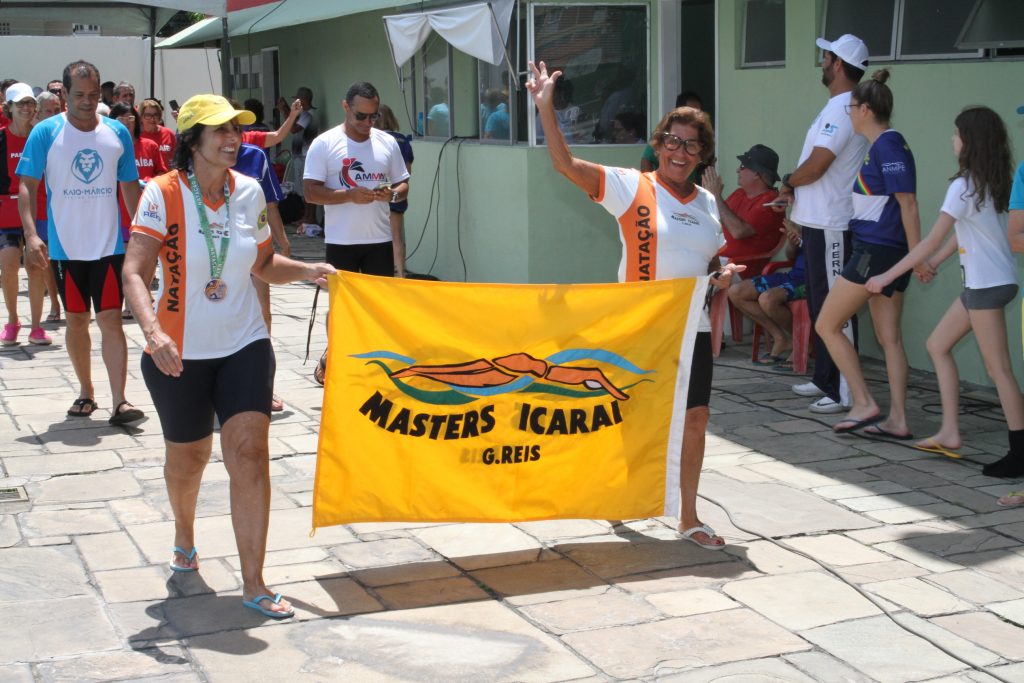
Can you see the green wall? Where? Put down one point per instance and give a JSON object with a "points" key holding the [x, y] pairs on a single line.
{"points": [[775, 106], [519, 220]]}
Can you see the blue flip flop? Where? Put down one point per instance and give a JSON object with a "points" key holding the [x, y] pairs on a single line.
{"points": [[255, 604], [188, 556]]}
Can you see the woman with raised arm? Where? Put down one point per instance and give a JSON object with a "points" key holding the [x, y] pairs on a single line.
{"points": [[684, 248], [208, 352]]}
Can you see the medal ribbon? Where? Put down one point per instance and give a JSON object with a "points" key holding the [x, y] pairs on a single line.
{"points": [[216, 260]]}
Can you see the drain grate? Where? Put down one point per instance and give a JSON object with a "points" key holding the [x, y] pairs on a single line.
{"points": [[13, 495]]}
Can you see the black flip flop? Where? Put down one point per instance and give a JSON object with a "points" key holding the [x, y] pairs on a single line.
{"points": [[882, 431], [856, 424], [82, 404], [125, 416]]}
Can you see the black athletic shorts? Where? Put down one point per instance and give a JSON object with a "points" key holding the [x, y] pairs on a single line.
{"points": [[12, 237], [371, 259], [241, 382], [699, 393], [868, 260], [82, 282]]}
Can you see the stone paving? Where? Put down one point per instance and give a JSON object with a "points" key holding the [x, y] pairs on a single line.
{"points": [[86, 595]]}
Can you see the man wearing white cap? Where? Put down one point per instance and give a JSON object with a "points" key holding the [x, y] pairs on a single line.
{"points": [[821, 190]]}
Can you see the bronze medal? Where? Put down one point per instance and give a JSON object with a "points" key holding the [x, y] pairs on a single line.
{"points": [[216, 289]]}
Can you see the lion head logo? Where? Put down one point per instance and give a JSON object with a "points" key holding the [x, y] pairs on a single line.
{"points": [[87, 165]]}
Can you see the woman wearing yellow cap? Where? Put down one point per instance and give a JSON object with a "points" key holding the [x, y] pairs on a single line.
{"points": [[208, 351]]}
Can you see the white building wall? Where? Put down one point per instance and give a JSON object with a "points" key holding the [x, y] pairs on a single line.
{"points": [[36, 60]]}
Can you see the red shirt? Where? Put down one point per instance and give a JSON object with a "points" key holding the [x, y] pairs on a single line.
{"points": [[165, 140], [150, 163], [766, 224], [9, 216], [255, 137]]}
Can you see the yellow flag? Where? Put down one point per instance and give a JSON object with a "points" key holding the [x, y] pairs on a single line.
{"points": [[498, 403]]}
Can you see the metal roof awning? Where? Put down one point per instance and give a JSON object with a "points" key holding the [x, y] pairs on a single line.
{"points": [[126, 17], [274, 15]]}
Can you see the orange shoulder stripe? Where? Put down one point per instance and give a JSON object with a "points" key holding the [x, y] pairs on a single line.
{"points": [[171, 308], [639, 226]]}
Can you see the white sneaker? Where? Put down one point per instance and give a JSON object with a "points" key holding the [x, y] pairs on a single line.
{"points": [[827, 406], [807, 389]]}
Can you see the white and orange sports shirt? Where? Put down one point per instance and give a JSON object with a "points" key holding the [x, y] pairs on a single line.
{"points": [[663, 235], [200, 327]]}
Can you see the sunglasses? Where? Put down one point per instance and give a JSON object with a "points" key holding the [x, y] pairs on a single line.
{"points": [[360, 116], [673, 142]]}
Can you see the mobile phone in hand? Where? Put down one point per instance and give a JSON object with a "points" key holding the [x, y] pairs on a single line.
{"points": [[174, 105]]}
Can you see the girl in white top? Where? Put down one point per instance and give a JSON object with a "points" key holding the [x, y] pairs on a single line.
{"points": [[975, 206], [682, 239]]}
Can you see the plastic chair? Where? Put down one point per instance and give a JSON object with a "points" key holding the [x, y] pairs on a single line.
{"points": [[802, 333], [735, 315]]}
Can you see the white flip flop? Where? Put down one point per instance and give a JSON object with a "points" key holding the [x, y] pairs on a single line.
{"points": [[688, 535]]}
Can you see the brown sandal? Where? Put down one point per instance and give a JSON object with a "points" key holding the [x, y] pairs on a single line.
{"points": [[320, 372]]}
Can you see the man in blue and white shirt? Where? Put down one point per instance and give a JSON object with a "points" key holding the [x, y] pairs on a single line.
{"points": [[84, 157]]}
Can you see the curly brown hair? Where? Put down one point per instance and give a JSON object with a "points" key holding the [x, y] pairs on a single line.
{"points": [[688, 116], [985, 156]]}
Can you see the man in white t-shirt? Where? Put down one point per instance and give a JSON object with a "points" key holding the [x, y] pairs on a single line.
{"points": [[821, 191], [86, 158], [355, 170]]}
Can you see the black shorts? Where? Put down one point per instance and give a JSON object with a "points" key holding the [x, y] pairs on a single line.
{"points": [[82, 282], [399, 207], [868, 260], [239, 383], [699, 393], [371, 259], [12, 237]]}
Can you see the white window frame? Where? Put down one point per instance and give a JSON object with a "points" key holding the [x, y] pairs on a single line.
{"points": [[891, 55], [419, 90], [901, 5], [896, 41], [744, 64], [531, 108]]}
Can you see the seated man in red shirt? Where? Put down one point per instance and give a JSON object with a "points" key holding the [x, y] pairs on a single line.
{"points": [[751, 228]]}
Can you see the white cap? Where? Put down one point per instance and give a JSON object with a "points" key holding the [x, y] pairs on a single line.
{"points": [[848, 48], [18, 92]]}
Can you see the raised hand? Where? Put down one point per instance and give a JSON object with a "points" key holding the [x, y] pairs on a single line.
{"points": [[542, 85]]}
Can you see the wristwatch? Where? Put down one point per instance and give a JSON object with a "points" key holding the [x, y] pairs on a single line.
{"points": [[394, 196], [785, 180]]}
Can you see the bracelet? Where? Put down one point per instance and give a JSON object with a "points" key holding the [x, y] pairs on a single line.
{"points": [[394, 196], [785, 180]]}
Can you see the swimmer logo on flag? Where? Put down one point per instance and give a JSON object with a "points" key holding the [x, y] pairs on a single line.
{"points": [[498, 403]]}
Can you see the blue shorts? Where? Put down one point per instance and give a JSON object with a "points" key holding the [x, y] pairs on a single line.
{"points": [[794, 290]]}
